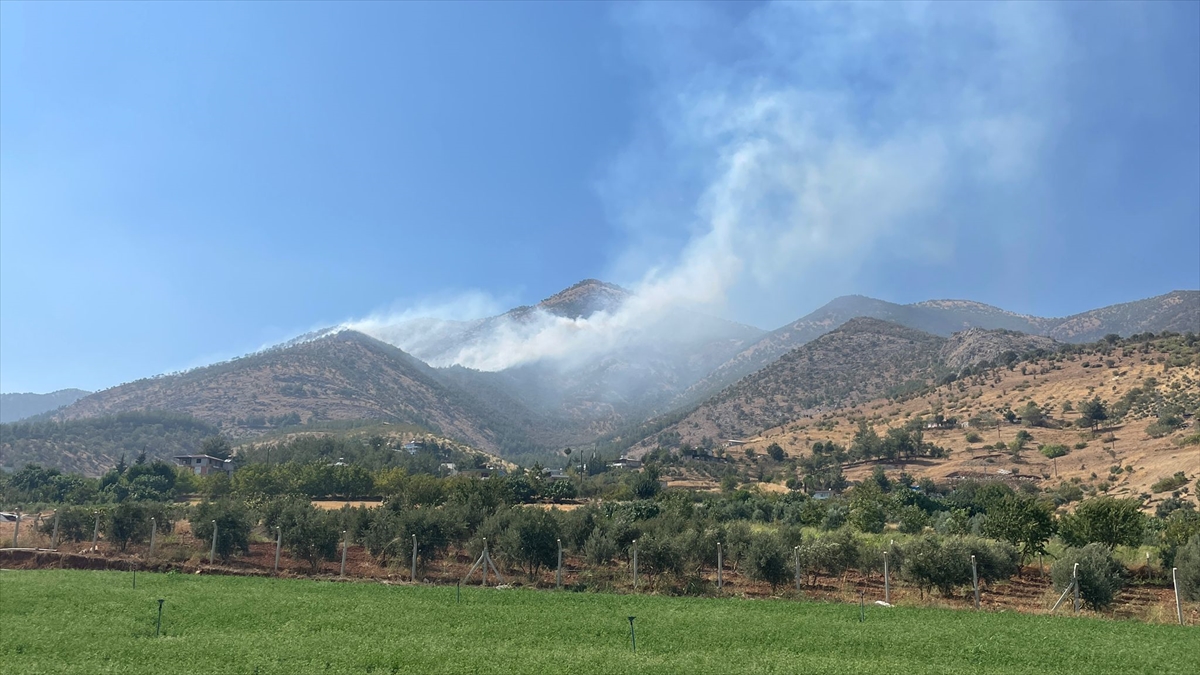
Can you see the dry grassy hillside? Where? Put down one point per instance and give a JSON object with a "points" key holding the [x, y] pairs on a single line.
{"points": [[1096, 461], [344, 376], [862, 360]]}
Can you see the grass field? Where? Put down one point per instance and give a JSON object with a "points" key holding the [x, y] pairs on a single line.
{"points": [[95, 622]]}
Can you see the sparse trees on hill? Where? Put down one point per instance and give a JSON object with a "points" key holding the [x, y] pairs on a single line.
{"points": [[1092, 413]]}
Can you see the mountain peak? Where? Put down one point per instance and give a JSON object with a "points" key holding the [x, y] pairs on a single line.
{"points": [[585, 298]]}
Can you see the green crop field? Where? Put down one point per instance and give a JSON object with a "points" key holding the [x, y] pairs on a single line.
{"points": [[95, 622]]}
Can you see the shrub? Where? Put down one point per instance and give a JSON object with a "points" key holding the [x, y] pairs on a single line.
{"points": [[1100, 575], [1188, 574], [954, 521], [75, 523], [1053, 451], [311, 534], [913, 519], [974, 437], [233, 526], [1180, 526], [766, 560], [1170, 483], [930, 562], [1081, 445], [831, 554], [599, 548], [1104, 520], [126, 522]]}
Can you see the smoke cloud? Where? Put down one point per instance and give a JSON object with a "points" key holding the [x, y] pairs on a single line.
{"points": [[782, 151]]}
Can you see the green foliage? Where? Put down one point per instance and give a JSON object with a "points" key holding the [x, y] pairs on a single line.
{"points": [[232, 521], [1170, 483], [1178, 528], [945, 563], [309, 533], [216, 446], [1054, 451], [93, 444], [868, 508], [1104, 520], [766, 560], [75, 523], [1188, 574], [775, 452], [1021, 521], [1092, 412], [974, 437], [912, 519], [831, 554], [1100, 575], [599, 548], [524, 537], [1032, 414], [129, 522]]}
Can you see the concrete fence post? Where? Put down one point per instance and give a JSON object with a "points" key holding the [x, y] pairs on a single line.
{"points": [[887, 588], [635, 564], [796, 560], [1175, 583], [54, 537], [153, 535], [1075, 583], [558, 571], [96, 534], [212, 552], [345, 544], [16, 528], [278, 544], [720, 566], [412, 572], [975, 580]]}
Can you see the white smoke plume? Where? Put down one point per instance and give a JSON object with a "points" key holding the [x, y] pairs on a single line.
{"points": [[834, 136]]}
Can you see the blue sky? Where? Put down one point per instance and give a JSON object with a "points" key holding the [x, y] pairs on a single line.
{"points": [[181, 183]]}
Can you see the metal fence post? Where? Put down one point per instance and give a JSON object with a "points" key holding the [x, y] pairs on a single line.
{"points": [[1175, 583], [558, 571], [887, 588], [278, 543], [212, 552], [975, 580], [153, 534], [720, 566], [796, 559], [412, 574]]}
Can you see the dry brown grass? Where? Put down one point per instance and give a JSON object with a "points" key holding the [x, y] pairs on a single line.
{"points": [[1151, 458]]}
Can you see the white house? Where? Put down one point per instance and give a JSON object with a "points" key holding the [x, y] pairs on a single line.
{"points": [[202, 465]]}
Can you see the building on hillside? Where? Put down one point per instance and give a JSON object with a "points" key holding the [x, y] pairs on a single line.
{"points": [[450, 468], [413, 446], [555, 474], [202, 465], [822, 494], [733, 442], [626, 463]]}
